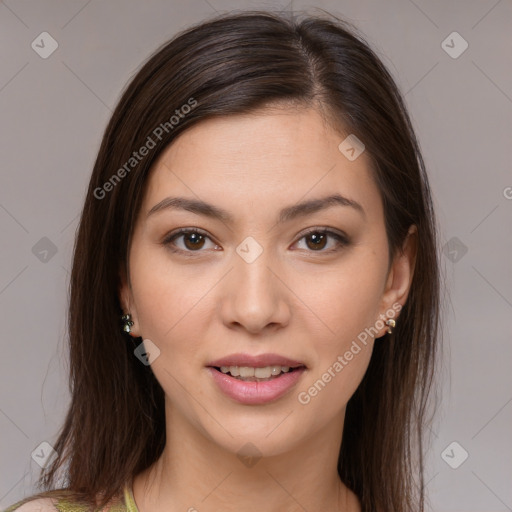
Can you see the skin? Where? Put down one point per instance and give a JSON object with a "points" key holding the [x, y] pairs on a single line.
{"points": [[295, 300]]}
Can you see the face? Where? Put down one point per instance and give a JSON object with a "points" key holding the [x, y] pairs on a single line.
{"points": [[310, 284]]}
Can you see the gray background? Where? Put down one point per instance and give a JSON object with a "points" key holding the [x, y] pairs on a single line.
{"points": [[54, 111]]}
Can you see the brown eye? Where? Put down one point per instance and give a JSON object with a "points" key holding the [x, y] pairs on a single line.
{"points": [[193, 241], [318, 239]]}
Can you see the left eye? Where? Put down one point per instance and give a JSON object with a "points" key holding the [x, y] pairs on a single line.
{"points": [[194, 239], [318, 238]]}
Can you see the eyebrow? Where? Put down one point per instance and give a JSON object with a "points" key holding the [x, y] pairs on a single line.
{"points": [[285, 215]]}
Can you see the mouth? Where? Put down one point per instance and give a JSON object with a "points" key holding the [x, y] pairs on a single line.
{"points": [[257, 374], [256, 381], [256, 368]]}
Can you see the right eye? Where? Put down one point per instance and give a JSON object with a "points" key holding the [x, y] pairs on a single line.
{"points": [[193, 240]]}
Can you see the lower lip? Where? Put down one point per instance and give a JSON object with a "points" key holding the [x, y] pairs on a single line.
{"points": [[256, 393]]}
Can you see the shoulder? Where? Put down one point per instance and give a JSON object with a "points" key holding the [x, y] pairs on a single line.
{"points": [[55, 504], [37, 505]]}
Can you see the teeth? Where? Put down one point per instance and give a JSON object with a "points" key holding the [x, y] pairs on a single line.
{"points": [[259, 373]]}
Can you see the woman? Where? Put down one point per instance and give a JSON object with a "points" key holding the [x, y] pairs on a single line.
{"points": [[260, 220]]}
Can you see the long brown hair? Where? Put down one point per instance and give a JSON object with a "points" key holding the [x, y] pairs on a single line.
{"points": [[115, 426]]}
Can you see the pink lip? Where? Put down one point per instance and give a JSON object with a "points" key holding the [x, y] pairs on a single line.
{"points": [[255, 361], [255, 393]]}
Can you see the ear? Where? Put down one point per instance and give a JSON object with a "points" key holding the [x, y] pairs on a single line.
{"points": [[126, 300], [399, 278]]}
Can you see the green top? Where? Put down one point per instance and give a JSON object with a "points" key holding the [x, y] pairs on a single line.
{"points": [[126, 504]]}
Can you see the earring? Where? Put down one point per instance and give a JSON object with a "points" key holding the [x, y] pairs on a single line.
{"points": [[390, 323], [127, 319]]}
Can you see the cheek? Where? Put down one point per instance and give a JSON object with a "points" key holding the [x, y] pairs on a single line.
{"points": [[345, 299], [170, 309], [347, 302], [343, 351], [168, 302]]}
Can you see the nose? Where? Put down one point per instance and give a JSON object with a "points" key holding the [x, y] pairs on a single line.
{"points": [[254, 296]]}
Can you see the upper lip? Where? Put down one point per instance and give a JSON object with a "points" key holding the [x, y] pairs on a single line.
{"points": [[259, 361]]}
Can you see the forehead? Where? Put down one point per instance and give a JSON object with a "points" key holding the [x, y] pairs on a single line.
{"points": [[269, 157]]}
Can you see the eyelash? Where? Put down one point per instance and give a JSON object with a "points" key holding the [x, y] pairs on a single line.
{"points": [[343, 240]]}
